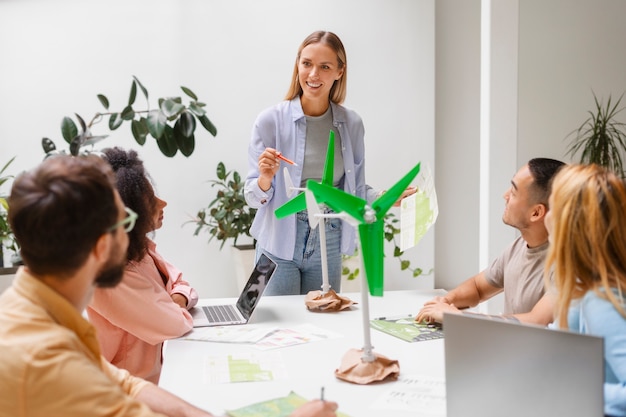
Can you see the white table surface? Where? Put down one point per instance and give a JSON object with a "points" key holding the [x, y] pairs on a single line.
{"points": [[311, 365]]}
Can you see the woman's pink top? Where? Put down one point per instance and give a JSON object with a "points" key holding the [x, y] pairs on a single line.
{"points": [[138, 315]]}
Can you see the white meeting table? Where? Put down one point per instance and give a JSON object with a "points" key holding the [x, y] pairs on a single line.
{"points": [[309, 366]]}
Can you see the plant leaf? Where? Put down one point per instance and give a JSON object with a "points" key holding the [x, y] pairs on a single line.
{"points": [[104, 101], [208, 125], [171, 108], [143, 89], [156, 123], [139, 128], [115, 121], [167, 143], [196, 110], [128, 113], [133, 93], [185, 125], [189, 93], [68, 129], [185, 144], [221, 171]]}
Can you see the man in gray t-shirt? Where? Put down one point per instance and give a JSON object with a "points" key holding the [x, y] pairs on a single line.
{"points": [[518, 271]]}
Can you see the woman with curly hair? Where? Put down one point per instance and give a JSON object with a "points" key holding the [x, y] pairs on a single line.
{"points": [[587, 227], [151, 303]]}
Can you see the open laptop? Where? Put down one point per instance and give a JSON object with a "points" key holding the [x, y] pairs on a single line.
{"points": [[497, 368], [240, 312]]}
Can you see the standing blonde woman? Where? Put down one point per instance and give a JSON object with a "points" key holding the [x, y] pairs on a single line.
{"points": [[587, 227], [298, 128]]}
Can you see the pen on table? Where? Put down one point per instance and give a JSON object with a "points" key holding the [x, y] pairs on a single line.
{"points": [[289, 161], [322, 394]]}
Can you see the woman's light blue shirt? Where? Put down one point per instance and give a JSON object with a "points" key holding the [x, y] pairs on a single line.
{"points": [[283, 127], [596, 316]]}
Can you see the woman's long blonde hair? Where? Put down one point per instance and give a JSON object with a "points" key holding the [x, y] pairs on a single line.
{"points": [[339, 89], [588, 236]]}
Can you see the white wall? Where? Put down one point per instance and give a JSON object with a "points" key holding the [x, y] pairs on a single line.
{"points": [[237, 55], [567, 50]]}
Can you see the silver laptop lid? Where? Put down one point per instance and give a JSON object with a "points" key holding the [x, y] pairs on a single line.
{"points": [[496, 368], [251, 294]]}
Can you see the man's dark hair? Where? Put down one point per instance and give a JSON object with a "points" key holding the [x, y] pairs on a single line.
{"points": [[135, 188], [60, 209], [542, 171]]}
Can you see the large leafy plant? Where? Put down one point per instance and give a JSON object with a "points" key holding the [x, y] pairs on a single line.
{"points": [[228, 216], [601, 139], [172, 124]]}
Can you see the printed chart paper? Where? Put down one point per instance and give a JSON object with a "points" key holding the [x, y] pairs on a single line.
{"points": [[418, 212], [407, 329], [244, 367]]}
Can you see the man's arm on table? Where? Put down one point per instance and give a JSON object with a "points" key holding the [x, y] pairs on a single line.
{"points": [[541, 314], [468, 294]]}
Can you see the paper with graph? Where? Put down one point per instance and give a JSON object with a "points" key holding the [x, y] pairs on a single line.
{"points": [[419, 211]]}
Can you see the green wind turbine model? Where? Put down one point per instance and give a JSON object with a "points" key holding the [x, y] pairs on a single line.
{"points": [[369, 367], [370, 223]]}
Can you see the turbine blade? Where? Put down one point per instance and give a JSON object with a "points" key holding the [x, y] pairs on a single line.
{"points": [[328, 176], [372, 251], [338, 200], [296, 204], [288, 183], [313, 209], [383, 203]]}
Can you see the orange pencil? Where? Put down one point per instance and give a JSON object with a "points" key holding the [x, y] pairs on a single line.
{"points": [[289, 161]]}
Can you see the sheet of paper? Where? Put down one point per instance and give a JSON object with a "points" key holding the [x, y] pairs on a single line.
{"points": [[276, 407], [407, 329], [244, 367], [229, 334], [415, 392], [303, 333], [419, 211]]}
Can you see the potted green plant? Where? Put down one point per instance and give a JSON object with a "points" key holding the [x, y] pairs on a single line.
{"points": [[227, 217], [601, 139], [172, 124], [7, 239]]}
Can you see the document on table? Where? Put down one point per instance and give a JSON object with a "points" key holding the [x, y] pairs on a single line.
{"points": [[244, 367], [229, 334], [276, 407], [415, 392], [418, 211], [303, 333], [407, 329]]}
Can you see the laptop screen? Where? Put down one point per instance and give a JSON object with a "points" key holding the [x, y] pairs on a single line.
{"points": [[496, 368], [255, 286]]}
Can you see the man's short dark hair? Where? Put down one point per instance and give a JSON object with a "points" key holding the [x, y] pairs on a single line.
{"points": [[542, 171], [59, 209]]}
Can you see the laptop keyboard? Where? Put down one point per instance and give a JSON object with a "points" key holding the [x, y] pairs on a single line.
{"points": [[220, 314]]}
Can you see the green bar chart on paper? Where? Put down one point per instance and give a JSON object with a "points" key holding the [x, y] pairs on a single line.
{"points": [[277, 407], [249, 367]]}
